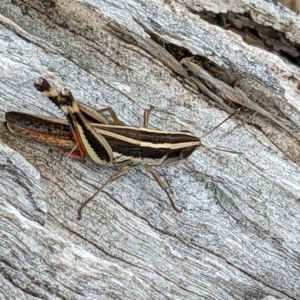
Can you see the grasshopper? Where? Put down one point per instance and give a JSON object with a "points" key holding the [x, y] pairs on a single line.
{"points": [[104, 143], [117, 144]]}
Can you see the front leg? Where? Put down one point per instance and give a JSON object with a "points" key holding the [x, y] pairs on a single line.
{"points": [[112, 113], [146, 115]]}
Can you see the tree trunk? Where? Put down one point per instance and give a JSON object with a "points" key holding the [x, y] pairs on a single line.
{"points": [[238, 234]]}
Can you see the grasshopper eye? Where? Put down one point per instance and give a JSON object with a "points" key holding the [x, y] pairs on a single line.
{"points": [[66, 97], [66, 93], [42, 85], [186, 152]]}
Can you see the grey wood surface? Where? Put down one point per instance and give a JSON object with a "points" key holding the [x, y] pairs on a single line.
{"points": [[238, 235]]}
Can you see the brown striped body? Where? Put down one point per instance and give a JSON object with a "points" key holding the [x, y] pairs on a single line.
{"points": [[138, 145], [132, 145], [115, 144]]}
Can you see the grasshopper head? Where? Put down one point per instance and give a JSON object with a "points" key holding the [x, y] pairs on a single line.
{"points": [[42, 85], [186, 152]]}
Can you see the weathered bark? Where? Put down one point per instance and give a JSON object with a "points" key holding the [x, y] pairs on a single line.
{"points": [[238, 234]]}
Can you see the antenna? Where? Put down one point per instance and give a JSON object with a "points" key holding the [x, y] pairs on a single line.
{"points": [[223, 149], [214, 128]]}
